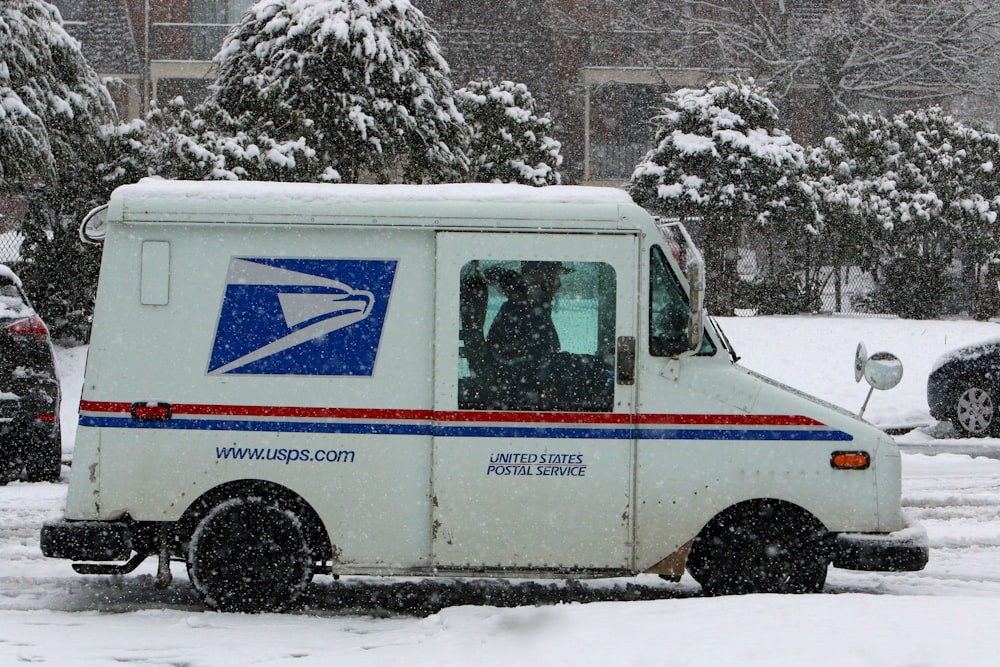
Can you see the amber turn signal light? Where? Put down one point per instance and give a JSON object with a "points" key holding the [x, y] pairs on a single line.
{"points": [[850, 460]]}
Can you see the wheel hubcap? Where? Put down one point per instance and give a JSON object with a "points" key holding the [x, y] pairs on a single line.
{"points": [[975, 410]]}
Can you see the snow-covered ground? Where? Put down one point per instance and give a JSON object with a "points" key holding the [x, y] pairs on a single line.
{"points": [[943, 616]]}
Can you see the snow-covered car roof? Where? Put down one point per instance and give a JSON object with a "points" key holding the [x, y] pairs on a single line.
{"points": [[967, 352], [8, 276], [12, 303]]}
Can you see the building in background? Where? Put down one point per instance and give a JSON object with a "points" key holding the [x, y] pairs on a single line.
{"points": [[158, 49], [598, 70]]}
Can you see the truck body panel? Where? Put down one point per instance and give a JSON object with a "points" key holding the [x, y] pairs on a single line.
{"points": [[329, 341]]}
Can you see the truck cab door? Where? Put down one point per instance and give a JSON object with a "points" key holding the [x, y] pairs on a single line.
{"points": [[533, 453]]}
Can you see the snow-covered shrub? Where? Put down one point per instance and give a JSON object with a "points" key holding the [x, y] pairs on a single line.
{"points": [[367, 75], [923, 193], [206, 143], [510, 142]]}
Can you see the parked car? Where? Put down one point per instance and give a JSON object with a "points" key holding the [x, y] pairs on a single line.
{"points": [[964, 388], [30, 447]]}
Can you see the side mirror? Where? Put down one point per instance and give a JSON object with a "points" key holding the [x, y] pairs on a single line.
{"points": [[686, 252], [882, 371], [696, 324], [94, 225]]}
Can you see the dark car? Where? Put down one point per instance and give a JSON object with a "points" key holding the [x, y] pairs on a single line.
{"points": [[964, 388], [30, 447]]}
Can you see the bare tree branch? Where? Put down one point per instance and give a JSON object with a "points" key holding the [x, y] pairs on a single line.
{"points": [[855, 53]]}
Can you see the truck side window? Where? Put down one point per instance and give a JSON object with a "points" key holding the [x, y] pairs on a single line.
{"points": [[537, 335], [669, 310]]}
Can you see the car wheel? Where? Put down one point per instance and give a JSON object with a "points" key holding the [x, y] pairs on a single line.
{"points": [[10, 468], [763, 548], [249, 555], [975, 412]]}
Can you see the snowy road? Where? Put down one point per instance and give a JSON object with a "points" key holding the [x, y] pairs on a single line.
{"points": [[955, 497]]}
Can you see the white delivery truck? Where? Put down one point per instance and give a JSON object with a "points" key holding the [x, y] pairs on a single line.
{"points": [[473, 380]]}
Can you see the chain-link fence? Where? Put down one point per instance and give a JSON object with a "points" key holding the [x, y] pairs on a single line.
{"points": [[813, 287], [780, 276], [10, 247]]}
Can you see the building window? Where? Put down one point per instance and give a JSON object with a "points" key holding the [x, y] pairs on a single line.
{"points": [[194, 91], [72, 11], [225, 12], [620, 130]]}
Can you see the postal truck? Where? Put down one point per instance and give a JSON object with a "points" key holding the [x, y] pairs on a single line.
{"points": [[294, 379]]}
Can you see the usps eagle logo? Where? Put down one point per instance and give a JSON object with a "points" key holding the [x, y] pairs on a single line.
{"points": [[283, 316]]}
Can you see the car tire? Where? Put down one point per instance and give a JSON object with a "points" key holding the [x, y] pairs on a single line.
{"points": [[249, 555], [761, 548], [974, 411], [10, 469]]}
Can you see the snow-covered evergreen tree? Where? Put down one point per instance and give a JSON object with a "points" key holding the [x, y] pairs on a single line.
{"points": [[206, 143], [368, 75], [510, 142], [52, 105], [720, 160], [836, 197]]}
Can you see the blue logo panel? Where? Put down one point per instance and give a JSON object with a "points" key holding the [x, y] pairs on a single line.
{"points": [[284, 316]]}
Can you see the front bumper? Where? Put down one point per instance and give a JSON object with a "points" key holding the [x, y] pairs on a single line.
{"points": [[905, 550], [86, 540]]}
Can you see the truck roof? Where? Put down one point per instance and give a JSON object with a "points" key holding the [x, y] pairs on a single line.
{"points": [[156, 200]]}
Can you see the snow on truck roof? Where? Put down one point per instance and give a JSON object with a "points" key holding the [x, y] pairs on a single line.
{"points": [[155, 199]]}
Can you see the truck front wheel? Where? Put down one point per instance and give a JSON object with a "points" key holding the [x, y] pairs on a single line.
{"points": [[249, 555], [761, 547]]}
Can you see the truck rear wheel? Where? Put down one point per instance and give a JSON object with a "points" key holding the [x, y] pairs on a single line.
{"points": [[765, 547], [249, 555]]}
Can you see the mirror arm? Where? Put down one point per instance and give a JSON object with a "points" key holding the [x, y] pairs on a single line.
{"points": [[871, 390]]}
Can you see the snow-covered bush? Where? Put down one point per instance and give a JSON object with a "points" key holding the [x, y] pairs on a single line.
{"points": [[924, 194], [912, 199], [368, 75], [510, 142], [206, 143], [51, 100]]}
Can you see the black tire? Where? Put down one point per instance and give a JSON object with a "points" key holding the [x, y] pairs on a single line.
{"points": [[249, 555], [10, 469], [974, 411], [32, 453], [761, 548]]}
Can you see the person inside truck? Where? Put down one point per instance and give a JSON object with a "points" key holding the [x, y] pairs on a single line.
{"points": [[522, 339], [523, 334], [531, 370], [520, 364]]}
